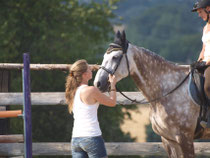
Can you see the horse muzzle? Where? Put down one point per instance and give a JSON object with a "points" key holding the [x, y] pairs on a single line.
{"points": [[102, 83]]}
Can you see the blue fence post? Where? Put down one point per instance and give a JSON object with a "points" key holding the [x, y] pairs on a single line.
{"points": [[27, 107]]}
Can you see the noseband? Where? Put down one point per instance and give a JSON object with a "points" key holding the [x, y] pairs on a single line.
{"points": [[116, 47]]}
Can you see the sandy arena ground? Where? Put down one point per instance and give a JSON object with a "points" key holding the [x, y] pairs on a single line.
{"points": [[136, 126]]}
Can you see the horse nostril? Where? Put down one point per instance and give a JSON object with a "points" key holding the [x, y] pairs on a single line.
{"points": [[98, 84]]}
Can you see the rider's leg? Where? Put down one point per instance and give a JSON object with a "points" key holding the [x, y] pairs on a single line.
{"points": [[207, 92], [207, 82]]}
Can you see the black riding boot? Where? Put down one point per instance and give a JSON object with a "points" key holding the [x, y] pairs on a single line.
{"points": [[204, 118]]}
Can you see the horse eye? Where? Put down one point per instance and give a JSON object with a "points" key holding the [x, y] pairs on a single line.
{"points": [[115, 57]]}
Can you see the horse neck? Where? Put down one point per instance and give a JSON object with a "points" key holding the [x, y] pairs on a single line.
{"points": [[153, 75]]}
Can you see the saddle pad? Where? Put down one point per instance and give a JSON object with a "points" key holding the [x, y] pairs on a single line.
{"points": [[195, 89]]}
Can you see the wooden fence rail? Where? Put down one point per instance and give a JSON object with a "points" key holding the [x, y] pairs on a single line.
{"points": [[16, 138], [113, 149], [62, 67], [56, 98], [63, 148]]}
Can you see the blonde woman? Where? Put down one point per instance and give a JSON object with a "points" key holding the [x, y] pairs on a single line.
{"points": [[83, 101]]}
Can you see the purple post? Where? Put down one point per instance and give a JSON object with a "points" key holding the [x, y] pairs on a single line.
{"points": [[27, 106]]}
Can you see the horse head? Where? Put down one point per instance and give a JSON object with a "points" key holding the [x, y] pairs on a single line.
{"points": [[115, 62]]}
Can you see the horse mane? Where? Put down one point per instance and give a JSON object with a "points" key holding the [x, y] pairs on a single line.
{"points": [[159, 58], [153, 54]]}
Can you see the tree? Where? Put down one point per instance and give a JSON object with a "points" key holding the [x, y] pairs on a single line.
{"points": [[50, 30], [170, 30], [58, 31]]}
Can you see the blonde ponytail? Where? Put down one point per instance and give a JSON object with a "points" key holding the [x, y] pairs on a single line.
{"points": [[73, 80]]}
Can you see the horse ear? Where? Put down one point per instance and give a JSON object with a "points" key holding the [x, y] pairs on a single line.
{"points": [[118, 38], [123, 36], [124, 42], [118, 34], [123, 39]]}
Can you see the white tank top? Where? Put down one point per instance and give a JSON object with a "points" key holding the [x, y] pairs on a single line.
{"points": [[206, 41], [85, 117]]}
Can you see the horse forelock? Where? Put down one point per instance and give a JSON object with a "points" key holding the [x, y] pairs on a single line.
{"points": [[112, 49]]}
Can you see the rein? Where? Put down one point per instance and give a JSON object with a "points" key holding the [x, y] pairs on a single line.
{"points": [[156, 99], [118, 47]]}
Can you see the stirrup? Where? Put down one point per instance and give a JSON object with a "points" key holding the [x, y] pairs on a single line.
{"points": [[203, 124]]}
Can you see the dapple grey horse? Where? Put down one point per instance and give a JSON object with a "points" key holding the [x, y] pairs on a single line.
{"points": [[173, 117]]}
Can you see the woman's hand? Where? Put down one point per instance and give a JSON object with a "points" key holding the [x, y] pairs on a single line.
{"points": [[112, 80], [102, 98]]}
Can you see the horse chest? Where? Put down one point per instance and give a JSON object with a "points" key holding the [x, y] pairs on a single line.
{"points": [[170, 118]]}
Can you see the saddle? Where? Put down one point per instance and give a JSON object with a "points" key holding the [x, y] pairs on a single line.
{"points": [[196, 87], [197, 95]]}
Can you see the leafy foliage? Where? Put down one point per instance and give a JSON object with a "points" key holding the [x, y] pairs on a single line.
{"points": [[170, 30], [58, 31], [151, 136], [62, 31], [53, 31]]}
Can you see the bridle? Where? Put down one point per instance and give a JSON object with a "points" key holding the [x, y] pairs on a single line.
{"points": [[118, 47]]}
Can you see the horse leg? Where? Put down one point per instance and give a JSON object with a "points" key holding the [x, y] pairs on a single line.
{"points": [[183, 149], [186, 144], [172, 148]]}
